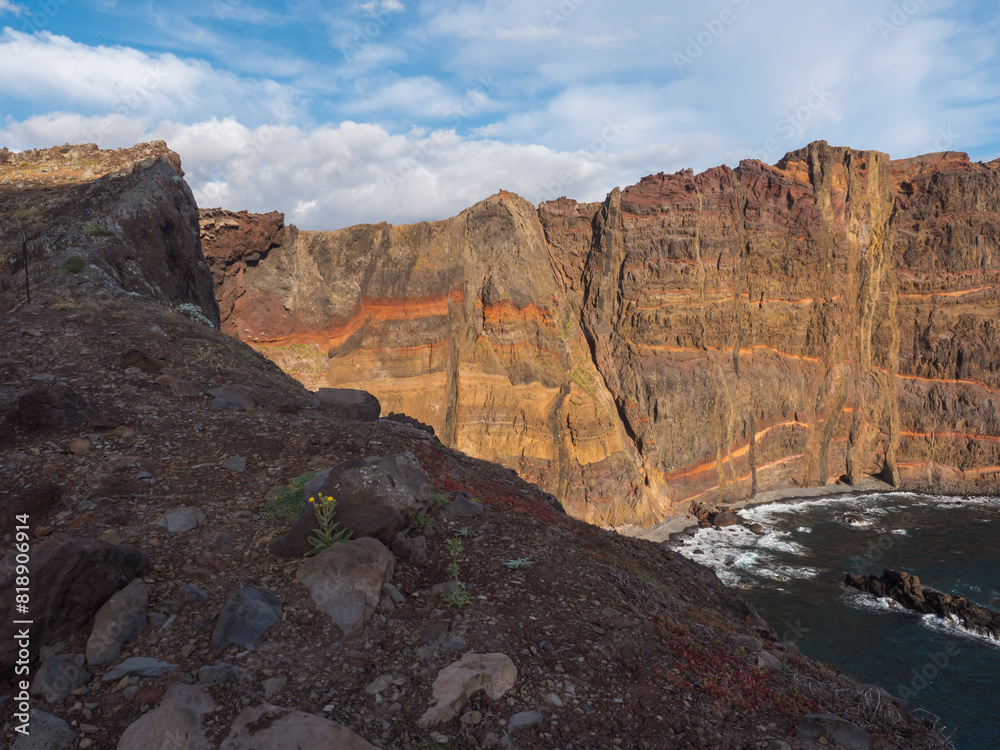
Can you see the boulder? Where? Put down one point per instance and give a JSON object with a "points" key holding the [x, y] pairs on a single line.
{"points": [[180, 520], [455, 684], [289, 730], [233, 396], [461, 508], [59, 676], [830, 727], [120, 620], [176, 722], [222, 673], [347, 403], [244, 618], [345, 581], [523, 721], [376, 497], [51, 407], [71, 579], [138, 666], [48, 732], [410, 549], [726, 518]]}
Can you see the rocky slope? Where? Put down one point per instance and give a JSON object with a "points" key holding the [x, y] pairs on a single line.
{"points": [[147, 448], [692, 339]]}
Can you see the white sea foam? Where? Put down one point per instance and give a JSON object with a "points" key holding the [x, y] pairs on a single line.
{"points": [[952, 626], [861, 600], [900, 532], [804, 529]]}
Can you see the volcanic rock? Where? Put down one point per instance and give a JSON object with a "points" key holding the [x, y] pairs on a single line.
{"points": [[71, 579]]}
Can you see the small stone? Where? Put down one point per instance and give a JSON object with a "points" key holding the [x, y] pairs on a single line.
{"points": [[393, 593], [193, 595], [138, 666], [274, 686], [471, 718], [123, 432], [236, 463], [79, 446], [180, 520], [554, 700], [524, 720], [186, 650], [379, 684]]}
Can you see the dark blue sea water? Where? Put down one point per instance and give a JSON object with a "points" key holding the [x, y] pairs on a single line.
{"points": [[794, 576]]}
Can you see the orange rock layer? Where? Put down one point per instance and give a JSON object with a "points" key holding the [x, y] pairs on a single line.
{"points": [[693, 338]]}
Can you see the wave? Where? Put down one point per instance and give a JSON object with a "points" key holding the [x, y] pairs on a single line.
{"points": [[952, 625]]}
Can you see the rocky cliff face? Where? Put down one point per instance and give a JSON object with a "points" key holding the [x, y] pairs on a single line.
{"points": [[694, 338], [101, 221]]}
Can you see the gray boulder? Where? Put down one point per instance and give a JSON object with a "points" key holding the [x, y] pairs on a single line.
{"points": [[284, 729], [346, 580], [231, 396], [120, 620], [176, 722], [179, 520], [59, 676], [48, 732], [247, 613], [830, 727], [138, 666], [348, 403]]}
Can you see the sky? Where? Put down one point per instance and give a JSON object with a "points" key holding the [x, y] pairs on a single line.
{"points": [[339, 113]]}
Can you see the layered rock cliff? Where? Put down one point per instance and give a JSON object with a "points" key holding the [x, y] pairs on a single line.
{"points": [[693, 338]]}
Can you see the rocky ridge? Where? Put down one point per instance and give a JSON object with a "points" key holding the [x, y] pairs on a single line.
{"points": [[148, 449], [693, 338]]}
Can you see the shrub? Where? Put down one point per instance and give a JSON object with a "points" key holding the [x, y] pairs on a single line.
{"points": [[74, 264], [194, 312], [520, 563], [96, 229], [459, 597], [290, 503]]}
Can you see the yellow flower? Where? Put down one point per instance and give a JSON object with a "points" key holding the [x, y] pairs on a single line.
{"points": [[312, 499]]}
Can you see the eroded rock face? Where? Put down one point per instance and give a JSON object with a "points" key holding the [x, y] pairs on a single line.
{"points": [[127, 214], [693, 338]]}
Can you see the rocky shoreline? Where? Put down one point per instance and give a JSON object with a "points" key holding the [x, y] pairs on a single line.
{"points": [[905, 589]]}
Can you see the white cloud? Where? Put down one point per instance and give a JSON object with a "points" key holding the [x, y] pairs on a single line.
{"points": [[8, 7], [124, 81]]}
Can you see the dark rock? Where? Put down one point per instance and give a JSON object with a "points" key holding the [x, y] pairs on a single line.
{"points": [[348, 403], [48, 732], [137, 358], [726, 518], [232, 396], [830, 727], [221, 674], [59, 676], [525, 720], [71, 579], [412, 550], [52, 407], [179, 716], [376, 497], [905, 589], [247, 613], [138, 666], [461, 509], [119, 621]]}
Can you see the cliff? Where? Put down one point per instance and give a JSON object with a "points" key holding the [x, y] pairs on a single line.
{"points": [[148, 462], [101, 222], [692, 339]]}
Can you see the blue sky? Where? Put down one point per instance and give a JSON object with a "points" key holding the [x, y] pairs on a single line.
{"points": [[403, 110]]}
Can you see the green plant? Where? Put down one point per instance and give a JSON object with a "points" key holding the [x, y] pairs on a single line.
{"points": [[421, 520], [440, 499], [329, 533], [290, 502], [457, 597], [194, 312], [520, 563], [466, 532], [74, 264], [96, 229]]}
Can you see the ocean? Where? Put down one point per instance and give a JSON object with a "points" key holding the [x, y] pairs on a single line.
{"points": [[794, 576]]}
